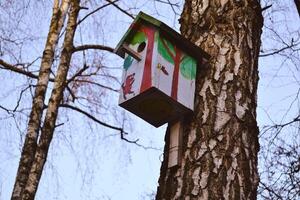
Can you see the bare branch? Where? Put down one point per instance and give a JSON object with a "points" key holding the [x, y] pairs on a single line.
{"points": [[138, 144], [20, 97], [71, 93], [93, 46], [279, 50], [13, 68], [16, 69], [264, 186], [122, 132], [7, 110], [31, 75], [58, 125], [96, 10], [92, 117], [85, 67], [98, 84], [121, 9], [130, 141], [168, 2], [266, 7], [173, 5]]}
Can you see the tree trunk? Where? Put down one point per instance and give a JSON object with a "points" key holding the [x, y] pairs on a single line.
{"points": [[29, 147], [297, 3], [52, 110], [220, 141]]}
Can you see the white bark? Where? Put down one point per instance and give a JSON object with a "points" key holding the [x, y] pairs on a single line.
{"points": [[29, 147], [52, 110], [220, 143]]}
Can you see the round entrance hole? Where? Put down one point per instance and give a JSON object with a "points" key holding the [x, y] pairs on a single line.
{"points": [[141, 47]]}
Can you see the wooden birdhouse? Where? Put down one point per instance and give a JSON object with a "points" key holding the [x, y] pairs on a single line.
{"points": [[160, 65]]}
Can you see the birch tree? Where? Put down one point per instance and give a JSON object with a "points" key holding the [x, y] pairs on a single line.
{"points": [[29, 148], [71, 86], [40, 131], [220, 141]]}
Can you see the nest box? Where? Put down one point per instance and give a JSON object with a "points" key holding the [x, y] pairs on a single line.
{"points": [[159, 71]]}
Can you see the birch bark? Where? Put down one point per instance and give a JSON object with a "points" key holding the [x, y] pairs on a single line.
{"points": [[220, 141], [52, 110], [29, 147]]}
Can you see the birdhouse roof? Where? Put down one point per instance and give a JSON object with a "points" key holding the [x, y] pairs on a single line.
{"points": [[166, 31]]}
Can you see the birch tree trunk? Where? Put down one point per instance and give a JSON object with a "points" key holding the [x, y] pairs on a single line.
{"points": [[29, 147], [52, 110], [220, 141]]}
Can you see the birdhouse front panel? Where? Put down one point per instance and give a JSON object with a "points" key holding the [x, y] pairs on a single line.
{"points": [[137, 74]]}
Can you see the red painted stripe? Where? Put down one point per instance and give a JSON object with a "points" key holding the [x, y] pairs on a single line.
{"points": [[146, 80], [176, 73]]}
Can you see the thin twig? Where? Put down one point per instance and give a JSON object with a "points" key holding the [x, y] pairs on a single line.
{"points": [[71, 93], [121, 9], [20, 97], [168, 3], [92, 117], [16, 69], [85, 67], [96, 10], [13, 68], [122, 132], [279, 50], [270, 190], [98, 84], [266, 7], [7, 110]]}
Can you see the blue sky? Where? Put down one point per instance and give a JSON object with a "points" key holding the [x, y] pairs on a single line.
{"points": [[87, 161]]}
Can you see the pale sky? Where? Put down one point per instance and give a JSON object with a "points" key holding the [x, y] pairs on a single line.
{"points": [[87, 161]]}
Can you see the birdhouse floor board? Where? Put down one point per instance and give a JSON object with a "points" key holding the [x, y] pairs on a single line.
{"points": [[155, 107]]}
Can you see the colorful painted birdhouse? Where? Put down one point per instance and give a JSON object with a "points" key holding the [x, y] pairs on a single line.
{"points": [[160, 66]]}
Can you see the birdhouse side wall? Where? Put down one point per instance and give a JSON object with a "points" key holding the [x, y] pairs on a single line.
{"points": [[174, 72]]}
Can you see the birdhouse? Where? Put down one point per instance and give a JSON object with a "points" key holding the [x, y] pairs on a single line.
{"points": [[159, 71]]}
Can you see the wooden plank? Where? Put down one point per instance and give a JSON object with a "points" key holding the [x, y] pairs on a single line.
{"points": [[175, 145], [131, 52]]}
